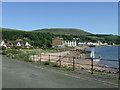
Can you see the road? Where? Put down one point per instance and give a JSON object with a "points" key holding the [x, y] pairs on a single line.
{"points": [[19, 74]]}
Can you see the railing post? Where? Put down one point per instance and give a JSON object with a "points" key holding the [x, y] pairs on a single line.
{"points": [[12, 54], [73, 63], [91, 65], [119, 69], [33, 56], [60, 61], [40, 58], [49, 58], [28, 57], [80, 56]]}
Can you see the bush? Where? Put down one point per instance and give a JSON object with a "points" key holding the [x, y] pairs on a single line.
{"points": [[54, 65], [5, 52], [39, 61], [26, 57], [46, 63], [30, 60], [11, 51], [16, 47], [69, 69]]}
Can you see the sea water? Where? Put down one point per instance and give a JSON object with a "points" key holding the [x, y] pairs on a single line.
{"points": [[108, 53]]}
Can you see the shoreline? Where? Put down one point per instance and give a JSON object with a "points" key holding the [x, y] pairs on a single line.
{"points": [[81, 61], [102, 46], [114, 69]]}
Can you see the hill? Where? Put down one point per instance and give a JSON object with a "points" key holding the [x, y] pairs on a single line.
{"points": [[39, 39], [64, 31], [7, 29]]}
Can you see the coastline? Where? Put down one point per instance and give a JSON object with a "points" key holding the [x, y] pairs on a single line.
{"points": [[102, 64], [82, 60]]}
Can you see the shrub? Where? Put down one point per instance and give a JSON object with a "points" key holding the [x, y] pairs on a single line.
{"points": [[26, 58], [39, 61], [4, 52], [69, 69], [11, 51], [46, 63], [16, 47], [54, 65], [30, 60], [64, 66]]}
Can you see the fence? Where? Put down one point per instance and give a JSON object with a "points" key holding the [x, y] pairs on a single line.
{"points": [[75, 63]]}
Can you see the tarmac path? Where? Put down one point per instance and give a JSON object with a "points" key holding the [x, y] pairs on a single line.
{"points": [[19, 74]]}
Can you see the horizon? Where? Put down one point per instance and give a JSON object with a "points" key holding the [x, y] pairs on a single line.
{"points": [[92, 17], [63, 28]]}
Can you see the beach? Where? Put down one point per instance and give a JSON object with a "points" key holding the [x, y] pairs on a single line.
{"points": [[81, 61]]}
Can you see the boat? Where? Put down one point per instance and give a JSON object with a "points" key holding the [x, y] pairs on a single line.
{"points": [[96, 60], [92, 55]]}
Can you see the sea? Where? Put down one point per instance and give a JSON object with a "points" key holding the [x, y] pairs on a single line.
{"points": [[109, 56]]}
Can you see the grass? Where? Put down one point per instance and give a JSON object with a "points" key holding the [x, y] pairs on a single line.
{"points": [[106, 74], [53, 51]]}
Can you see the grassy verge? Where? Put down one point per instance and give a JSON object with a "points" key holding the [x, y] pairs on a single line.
{"points": [[53, 51]]}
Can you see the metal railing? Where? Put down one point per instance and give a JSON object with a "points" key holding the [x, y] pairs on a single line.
{"points": [[73, 61]]}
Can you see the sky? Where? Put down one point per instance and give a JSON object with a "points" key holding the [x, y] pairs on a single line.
{"points": [[93, 17]]}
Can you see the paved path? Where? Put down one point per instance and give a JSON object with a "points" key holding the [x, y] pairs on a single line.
{"points": [[18, 74]]}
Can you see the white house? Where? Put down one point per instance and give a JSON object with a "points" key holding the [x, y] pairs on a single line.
{"points": [[105, 44], [70, 43], [24, 44], [2, 43]]}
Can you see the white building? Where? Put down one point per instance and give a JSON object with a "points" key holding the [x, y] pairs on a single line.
{"points": [[70, 43], [98, 43], [105, 44], [24, 44], [2, 43]]}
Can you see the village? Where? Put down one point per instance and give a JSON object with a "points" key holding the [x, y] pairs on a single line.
{"points": [[69, 54], [61, 53], [56, 43]]}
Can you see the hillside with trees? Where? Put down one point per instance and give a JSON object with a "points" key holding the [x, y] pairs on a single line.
{"points": [[45, 39]]}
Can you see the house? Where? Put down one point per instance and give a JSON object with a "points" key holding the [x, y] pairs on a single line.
{"points": [[25, 44], [2, 43], [13, 43], [105, 44], [56, 42], [70, 43], [59, 42], [82, 43], [76, 38], [22, 44], [97, 43]]}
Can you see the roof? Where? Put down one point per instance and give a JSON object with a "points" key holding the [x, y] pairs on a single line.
{"points": [[12, 42], [7, 44], [15, 43], [1, 41], [58, 38], [22, 43], [70, 40]]}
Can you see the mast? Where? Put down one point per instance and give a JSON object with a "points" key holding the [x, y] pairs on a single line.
{"points": [[92, 55]]}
